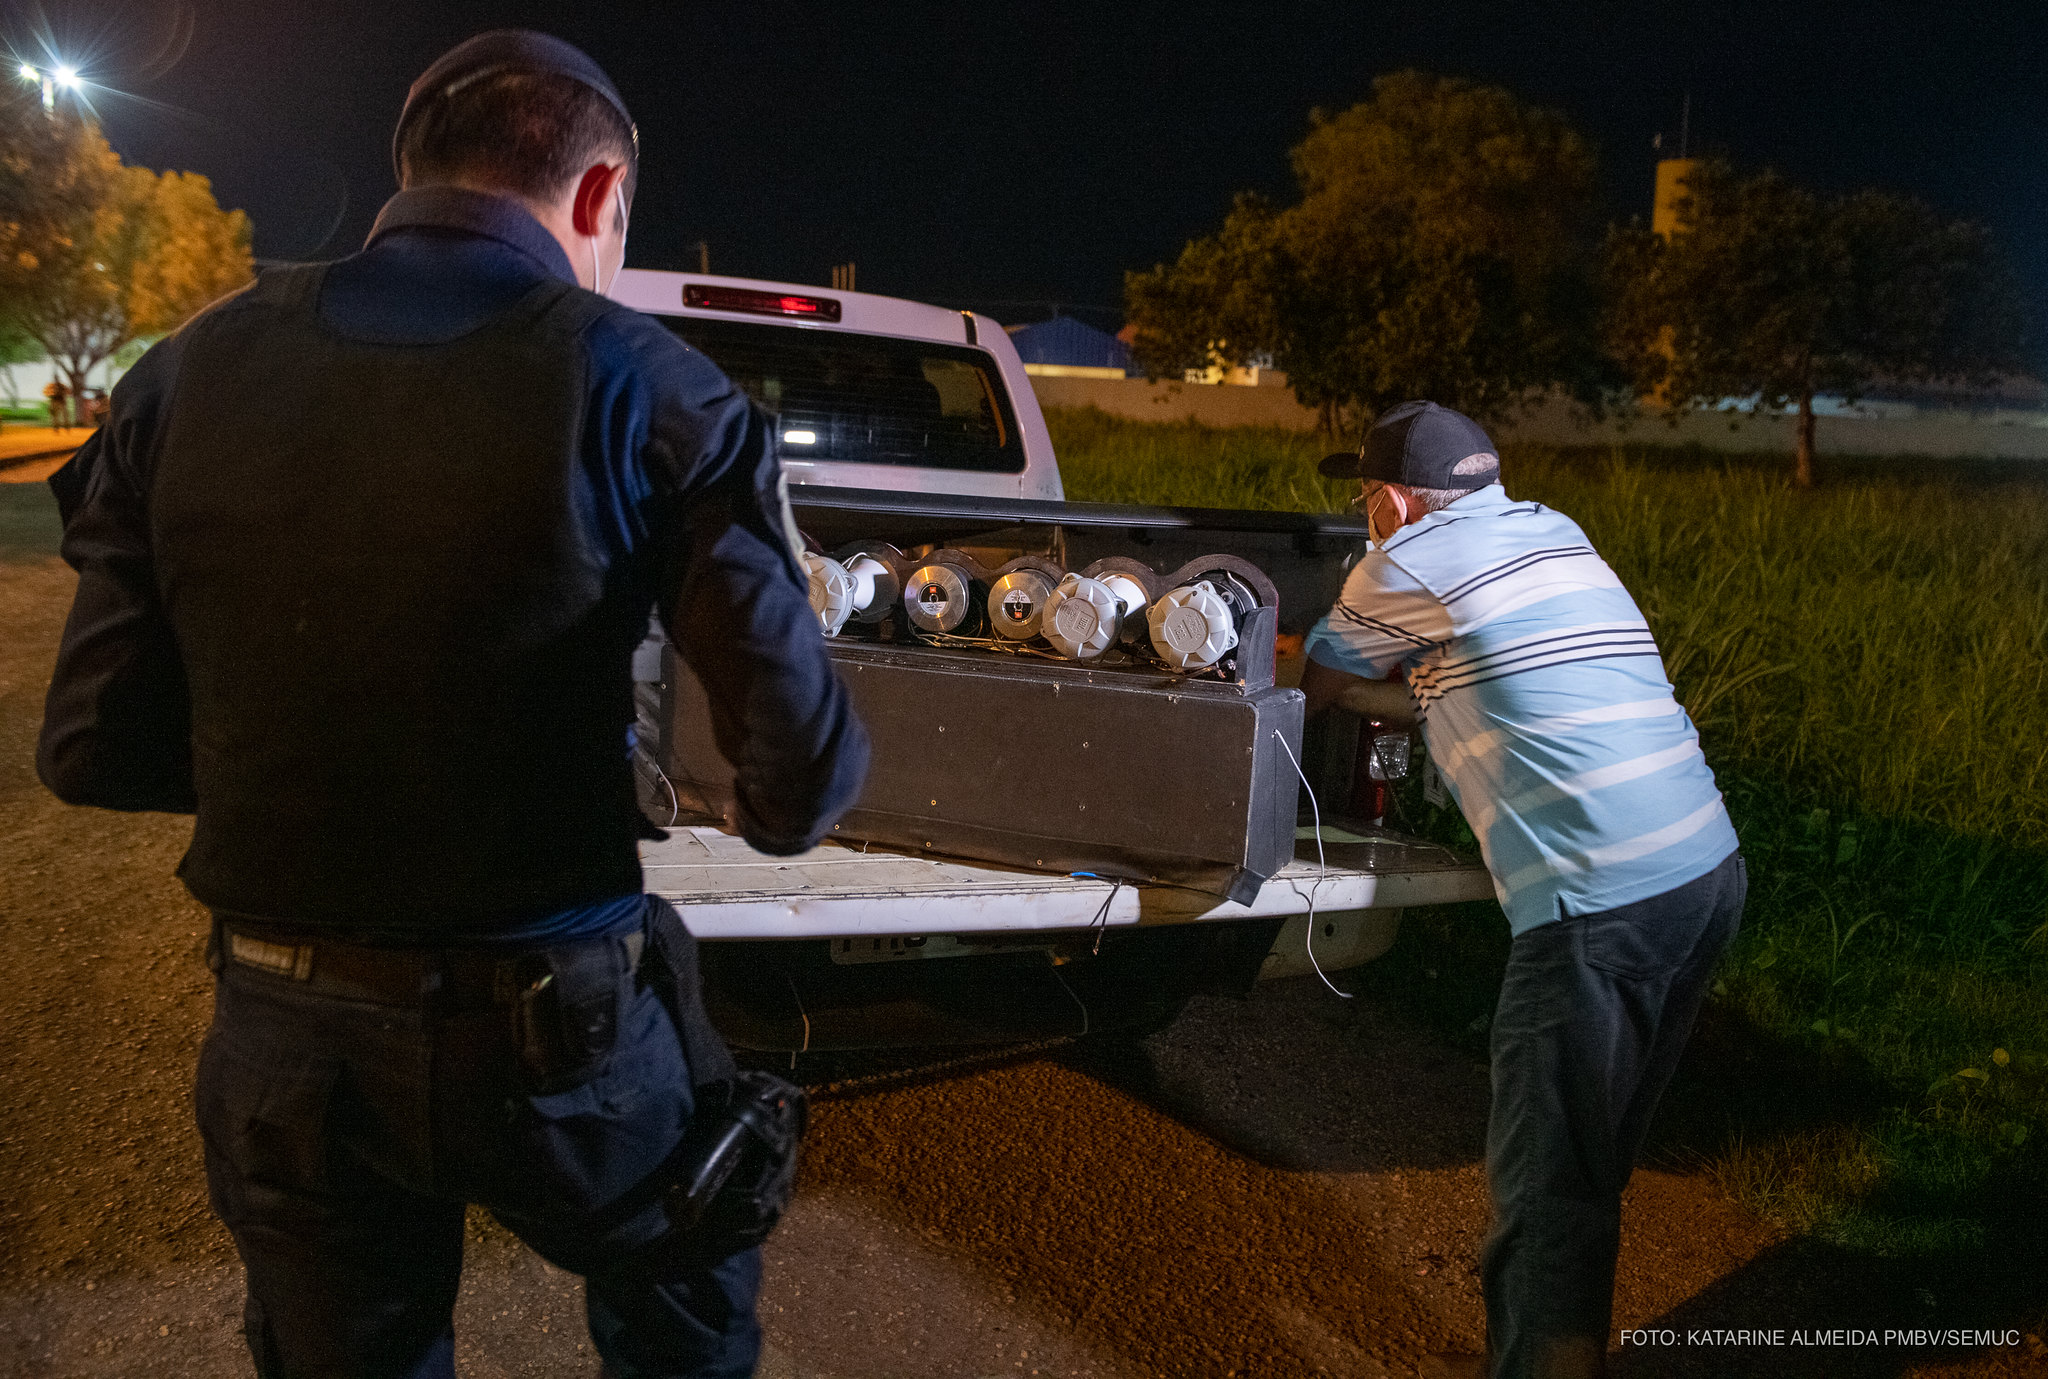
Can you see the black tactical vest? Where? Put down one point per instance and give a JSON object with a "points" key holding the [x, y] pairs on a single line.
{"points": [[410, 664]]}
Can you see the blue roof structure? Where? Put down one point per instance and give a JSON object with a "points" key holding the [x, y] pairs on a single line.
{"points": [[1064, 340]]}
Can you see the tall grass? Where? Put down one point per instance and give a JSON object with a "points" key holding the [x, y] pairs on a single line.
{"points": [[1105, 459], [1868, 666], [1884, 641]]}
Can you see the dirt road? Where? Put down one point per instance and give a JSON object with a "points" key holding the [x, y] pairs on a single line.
{"points": [[28, 454], [1284, 1186]]}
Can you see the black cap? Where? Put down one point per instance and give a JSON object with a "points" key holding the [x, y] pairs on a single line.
{"points": [[507, 50], [1418, 444]]}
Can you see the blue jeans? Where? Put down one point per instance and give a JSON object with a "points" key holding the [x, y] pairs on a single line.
{"points": [[344, 1137], [1593, 1015]]}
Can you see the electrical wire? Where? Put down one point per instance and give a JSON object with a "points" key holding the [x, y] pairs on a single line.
{"points": [[1117, 657], [1074, 996], [675, 807], [980, 1059], [1309, 942], [1101, 920], [803, 1015]]}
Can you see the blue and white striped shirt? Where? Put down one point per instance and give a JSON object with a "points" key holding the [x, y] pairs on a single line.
{"points": [[1544, 704]]}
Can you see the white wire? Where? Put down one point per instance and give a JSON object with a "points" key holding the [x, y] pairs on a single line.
{"points": [[675, 806], [1309, 941]]}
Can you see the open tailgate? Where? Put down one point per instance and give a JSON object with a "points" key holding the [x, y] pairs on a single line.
{"points": [[726, 890]]}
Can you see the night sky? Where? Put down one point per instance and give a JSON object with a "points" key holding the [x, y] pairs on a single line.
{"points": [[1006, 156]]}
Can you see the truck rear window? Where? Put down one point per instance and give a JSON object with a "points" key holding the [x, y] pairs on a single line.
{"points": [[867, 399]]}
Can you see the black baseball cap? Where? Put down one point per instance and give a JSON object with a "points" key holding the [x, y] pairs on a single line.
{"points": [[507, 50], [1419, 445]]}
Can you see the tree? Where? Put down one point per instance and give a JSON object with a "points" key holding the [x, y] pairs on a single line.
{"points": [[51, 178], [15, 348], [1771, 291], [1438, 250], [95, 255]]}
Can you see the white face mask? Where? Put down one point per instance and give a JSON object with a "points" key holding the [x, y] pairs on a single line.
{"points": [[1370, 506], [596, 270]]}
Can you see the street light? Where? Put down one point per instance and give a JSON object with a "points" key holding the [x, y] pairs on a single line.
{"points": [[63, 76]]}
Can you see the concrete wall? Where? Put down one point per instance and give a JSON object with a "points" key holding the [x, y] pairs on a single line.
{"points": [[1210, 404], [1948, 434], [1943, 434], [30, 379]]}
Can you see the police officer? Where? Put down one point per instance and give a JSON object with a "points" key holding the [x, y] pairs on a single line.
{"points": [[363, 555]]}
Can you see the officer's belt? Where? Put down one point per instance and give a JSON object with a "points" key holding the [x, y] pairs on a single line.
{"points": [[462, 977]]}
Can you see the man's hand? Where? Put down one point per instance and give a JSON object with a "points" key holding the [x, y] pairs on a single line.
{"points": [[1386, 701]]}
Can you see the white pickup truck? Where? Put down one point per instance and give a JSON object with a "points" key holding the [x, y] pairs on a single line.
{"points": [[890, 410]]}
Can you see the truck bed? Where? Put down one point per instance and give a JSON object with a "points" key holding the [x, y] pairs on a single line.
{"points": [[725, 890]]}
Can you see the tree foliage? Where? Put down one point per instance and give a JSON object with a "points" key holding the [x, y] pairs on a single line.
{"points": [[16, 345], [49, 180], [15, 348], [1438, 250], [94, 254], [1772, 291]]}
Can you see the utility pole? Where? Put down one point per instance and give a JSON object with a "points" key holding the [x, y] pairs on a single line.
{"points": [[842, 277], [703, 256]]}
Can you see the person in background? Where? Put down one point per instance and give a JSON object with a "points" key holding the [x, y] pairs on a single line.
{"points": [[384, 654], [60, 409], [1544, 704]]}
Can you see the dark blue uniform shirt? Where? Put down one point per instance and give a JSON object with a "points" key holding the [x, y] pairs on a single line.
{"points": [[440, 262]]}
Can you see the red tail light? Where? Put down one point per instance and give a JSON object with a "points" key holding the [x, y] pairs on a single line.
{"points": [[710, 298]]}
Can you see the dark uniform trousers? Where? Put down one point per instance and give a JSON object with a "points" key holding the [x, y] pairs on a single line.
{"points": [[344, 1137], [1594, 1013]]}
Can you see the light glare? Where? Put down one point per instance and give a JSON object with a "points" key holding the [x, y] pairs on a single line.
{"points": [[67, 76], [799, 437], [28, 72]]}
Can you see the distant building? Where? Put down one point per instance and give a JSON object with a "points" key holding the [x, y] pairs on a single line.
{"points": [[1260, 373], [1066, 348]]}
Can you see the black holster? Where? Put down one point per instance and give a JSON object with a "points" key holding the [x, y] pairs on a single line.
{"points": [[565, 1011], [731, 1177]]}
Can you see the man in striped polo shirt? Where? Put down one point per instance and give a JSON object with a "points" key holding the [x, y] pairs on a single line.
{"points": [[1544, 704]]}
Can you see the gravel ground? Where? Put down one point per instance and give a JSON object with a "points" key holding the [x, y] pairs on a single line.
{"points": [[1280, 1186]]}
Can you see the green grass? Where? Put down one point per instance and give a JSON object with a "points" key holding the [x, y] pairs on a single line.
{"points": [[1105, 459], [1868, 666]]}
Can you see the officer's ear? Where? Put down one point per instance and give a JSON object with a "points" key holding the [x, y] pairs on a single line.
{"points": [[592, 208]]}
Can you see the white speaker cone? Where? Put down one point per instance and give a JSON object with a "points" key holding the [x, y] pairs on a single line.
{"points": [[874, 588]]}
